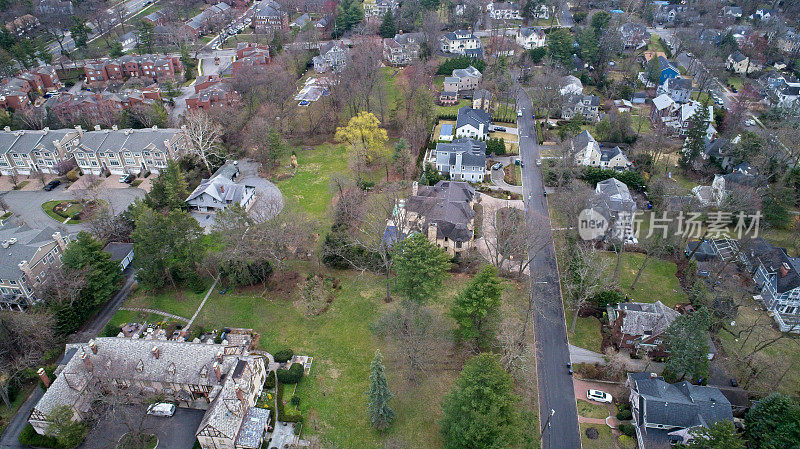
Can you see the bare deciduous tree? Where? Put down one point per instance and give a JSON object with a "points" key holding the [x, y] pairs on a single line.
{"points": [[512, 238], [582, 277], [24, 337], [203, 136]]}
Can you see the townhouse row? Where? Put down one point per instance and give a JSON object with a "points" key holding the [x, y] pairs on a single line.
{"points": [[156, 67]]}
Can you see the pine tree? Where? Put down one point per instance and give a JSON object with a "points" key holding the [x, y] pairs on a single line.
{"points": [[477, 305], [388, 28], [380, 414], [421, 268], [695, 136]]}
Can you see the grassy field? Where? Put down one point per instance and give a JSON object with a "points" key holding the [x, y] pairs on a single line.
{"points": [[309, 187], [183, 304], [605, 441], [587, 333], [657, 283], [655, 44], [342, 344], [74, 208], [736, 82], [450, 110], [592, 410]]}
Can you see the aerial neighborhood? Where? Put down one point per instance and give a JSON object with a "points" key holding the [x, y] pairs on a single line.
{"points": [[249, 224]]}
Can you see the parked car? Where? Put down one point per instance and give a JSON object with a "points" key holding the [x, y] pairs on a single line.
{"points": [[497, 166], [52, 185], [598, 396], [164, 409], [569, 368], [127, 179], [519, 112], [538, 162], [499, 128]]}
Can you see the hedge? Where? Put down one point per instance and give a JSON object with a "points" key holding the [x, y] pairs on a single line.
{"points": [[291, 375], [624, 415], [627, 429], [29, 437]]}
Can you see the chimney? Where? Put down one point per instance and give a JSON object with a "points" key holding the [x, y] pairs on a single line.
{"points": [[43, 375], [432, 230], [114, 127], [217, 371], [653, 375], [93, 346], [79, 129], [62, 244], [97, 127], [155, 351], [784, 269], [7, 129], [46, 129], [219, 356], [87, 362], [222, 188], [155, 127], [240, 395], [414, 188], [26, 269]]}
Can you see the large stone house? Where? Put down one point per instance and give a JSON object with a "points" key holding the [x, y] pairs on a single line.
{"points": [[461, 42], [220, 191], [638, 327], [402, 48], [663, 413], [223, 379], [332, 57], [473, 123], [444, 214], [269, 16], [29, 256], [590, 154], [461, 159], [776, 274]]}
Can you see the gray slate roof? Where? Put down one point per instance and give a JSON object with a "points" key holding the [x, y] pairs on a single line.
{"points": [[28, 242], [646, 318], [616, 196], [448, 205], [118, 250], [474, 117], [773, 258], [473, 153]]}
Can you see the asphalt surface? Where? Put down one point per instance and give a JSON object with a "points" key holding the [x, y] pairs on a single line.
{"points": [[556, 392], [566, 16], [174, 432]]}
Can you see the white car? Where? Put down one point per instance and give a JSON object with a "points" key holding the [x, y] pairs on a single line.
{"points": [[164, 409], [519, 112], [599, 396]]}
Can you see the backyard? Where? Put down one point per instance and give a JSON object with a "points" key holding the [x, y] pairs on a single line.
{"points": [[342, 344], [657, 282]]}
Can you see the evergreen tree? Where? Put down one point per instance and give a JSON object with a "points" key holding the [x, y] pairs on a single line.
{"points": [[169, 190], [421, 268], [559, 46], [482, 409], [79, 31], [695, 136], [388, 28], [719, 435], [276, 147], [380, 414], [477, 306], [687, 343], [146, 35], [774, 423]]}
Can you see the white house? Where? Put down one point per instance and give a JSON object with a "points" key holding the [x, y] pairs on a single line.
{"points": [[468, 78], [473, 123], [120, 252], [531, 37], [590, 154], [503, 11], [220, 191], [460, 42], [461, 160]]}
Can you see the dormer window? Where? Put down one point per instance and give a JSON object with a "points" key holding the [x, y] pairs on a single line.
{"points": [[140, 366], [171, 368]]}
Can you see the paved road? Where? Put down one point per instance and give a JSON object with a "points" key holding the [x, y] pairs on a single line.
{"points": [[565, 19], [26, 204], [552, 353]]}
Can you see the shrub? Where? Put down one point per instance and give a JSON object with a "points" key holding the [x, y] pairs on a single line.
{"points": [[111, 330], [610, 297], [284, 355], [624, 415], [72, 175], [269, 382], [295, 400], [627, 429], [29, 437], [291, 375]]}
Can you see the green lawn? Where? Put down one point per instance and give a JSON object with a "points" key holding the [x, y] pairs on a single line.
{"points": [[592, 410], [657, 283], [309, 187], [605, 441], [736, 82], [641, 123], [130, 316], [587, 333], [74, 208], [183, 304], [340, 340], [655, 44], [702, 98], [450, 110]]}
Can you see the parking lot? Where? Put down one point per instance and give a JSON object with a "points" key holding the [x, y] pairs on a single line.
{"points": [[176, 432]]}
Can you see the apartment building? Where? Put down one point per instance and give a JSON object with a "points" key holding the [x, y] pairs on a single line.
{"points": [[156, 67]]}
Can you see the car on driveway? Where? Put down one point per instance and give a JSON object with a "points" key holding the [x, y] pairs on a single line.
{"points": [[164, 409], [497, 166], [52, 185], [599, 396]]}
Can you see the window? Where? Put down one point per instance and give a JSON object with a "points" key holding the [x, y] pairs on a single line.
{"points": [[12, 282], [44, 260], [55, 250], [51, 258]]}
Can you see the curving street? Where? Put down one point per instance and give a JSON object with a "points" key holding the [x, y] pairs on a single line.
{"points": [[558, 414]]}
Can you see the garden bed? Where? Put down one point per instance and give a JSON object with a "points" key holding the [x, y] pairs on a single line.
{"points": [[75, 210]]}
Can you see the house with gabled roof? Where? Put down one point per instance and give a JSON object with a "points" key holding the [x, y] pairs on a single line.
{"points": [[473, 123], [220, 191], [530, 37], [461, 42], [664, 414], [444, 213], [589, 153], [613, 200], [638, 327], [461, 159], [778, 277], [679, 89]]}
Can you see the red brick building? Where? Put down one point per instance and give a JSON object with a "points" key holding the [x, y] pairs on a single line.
{"points": [[248, 56], [215, 95], [156, 67], [15, 92]]}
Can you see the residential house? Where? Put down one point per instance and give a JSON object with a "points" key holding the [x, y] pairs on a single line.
{"points": [[503, 11], [669, 13], [590, 154], [473, 123], [97, 107], [157, 18], [22, 24], [444, 213], [250, 57], [789, 41], [678, 117], [300, 22], [211, 18], [678, 89], [765, 14], [586, 105], [741, 64], [710, 36], [120, 252], [571, 85], [776, 275], [323, 23], [226, 380], [468, 78], [129, 40], [639, 327], [155, 67], [482, 99], [724, 185], [378, 8], [786, 92], [220, 191], [449, 94], [460, 160], [127, 151], [460, 42], [634, 35], [29, 152], [269, 16], [332, 57], [530, 37], [717, 151], [664, 414], [666, 70], [732, 11], [30, 254], [662, 107], [214, 95], [540, 12], [613, 200], [12, 96], [55, 7], [402, 48], [15, 91]]}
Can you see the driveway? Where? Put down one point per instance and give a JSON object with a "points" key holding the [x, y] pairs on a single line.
{"points": [[176, 432], [26, 205], [497, 176]]}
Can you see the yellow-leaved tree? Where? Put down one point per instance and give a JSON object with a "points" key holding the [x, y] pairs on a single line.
{"points": [[367, 141]]}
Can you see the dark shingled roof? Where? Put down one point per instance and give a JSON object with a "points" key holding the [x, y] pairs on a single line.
{"points": [[447, 204], [773, 258], [118, 250]]}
